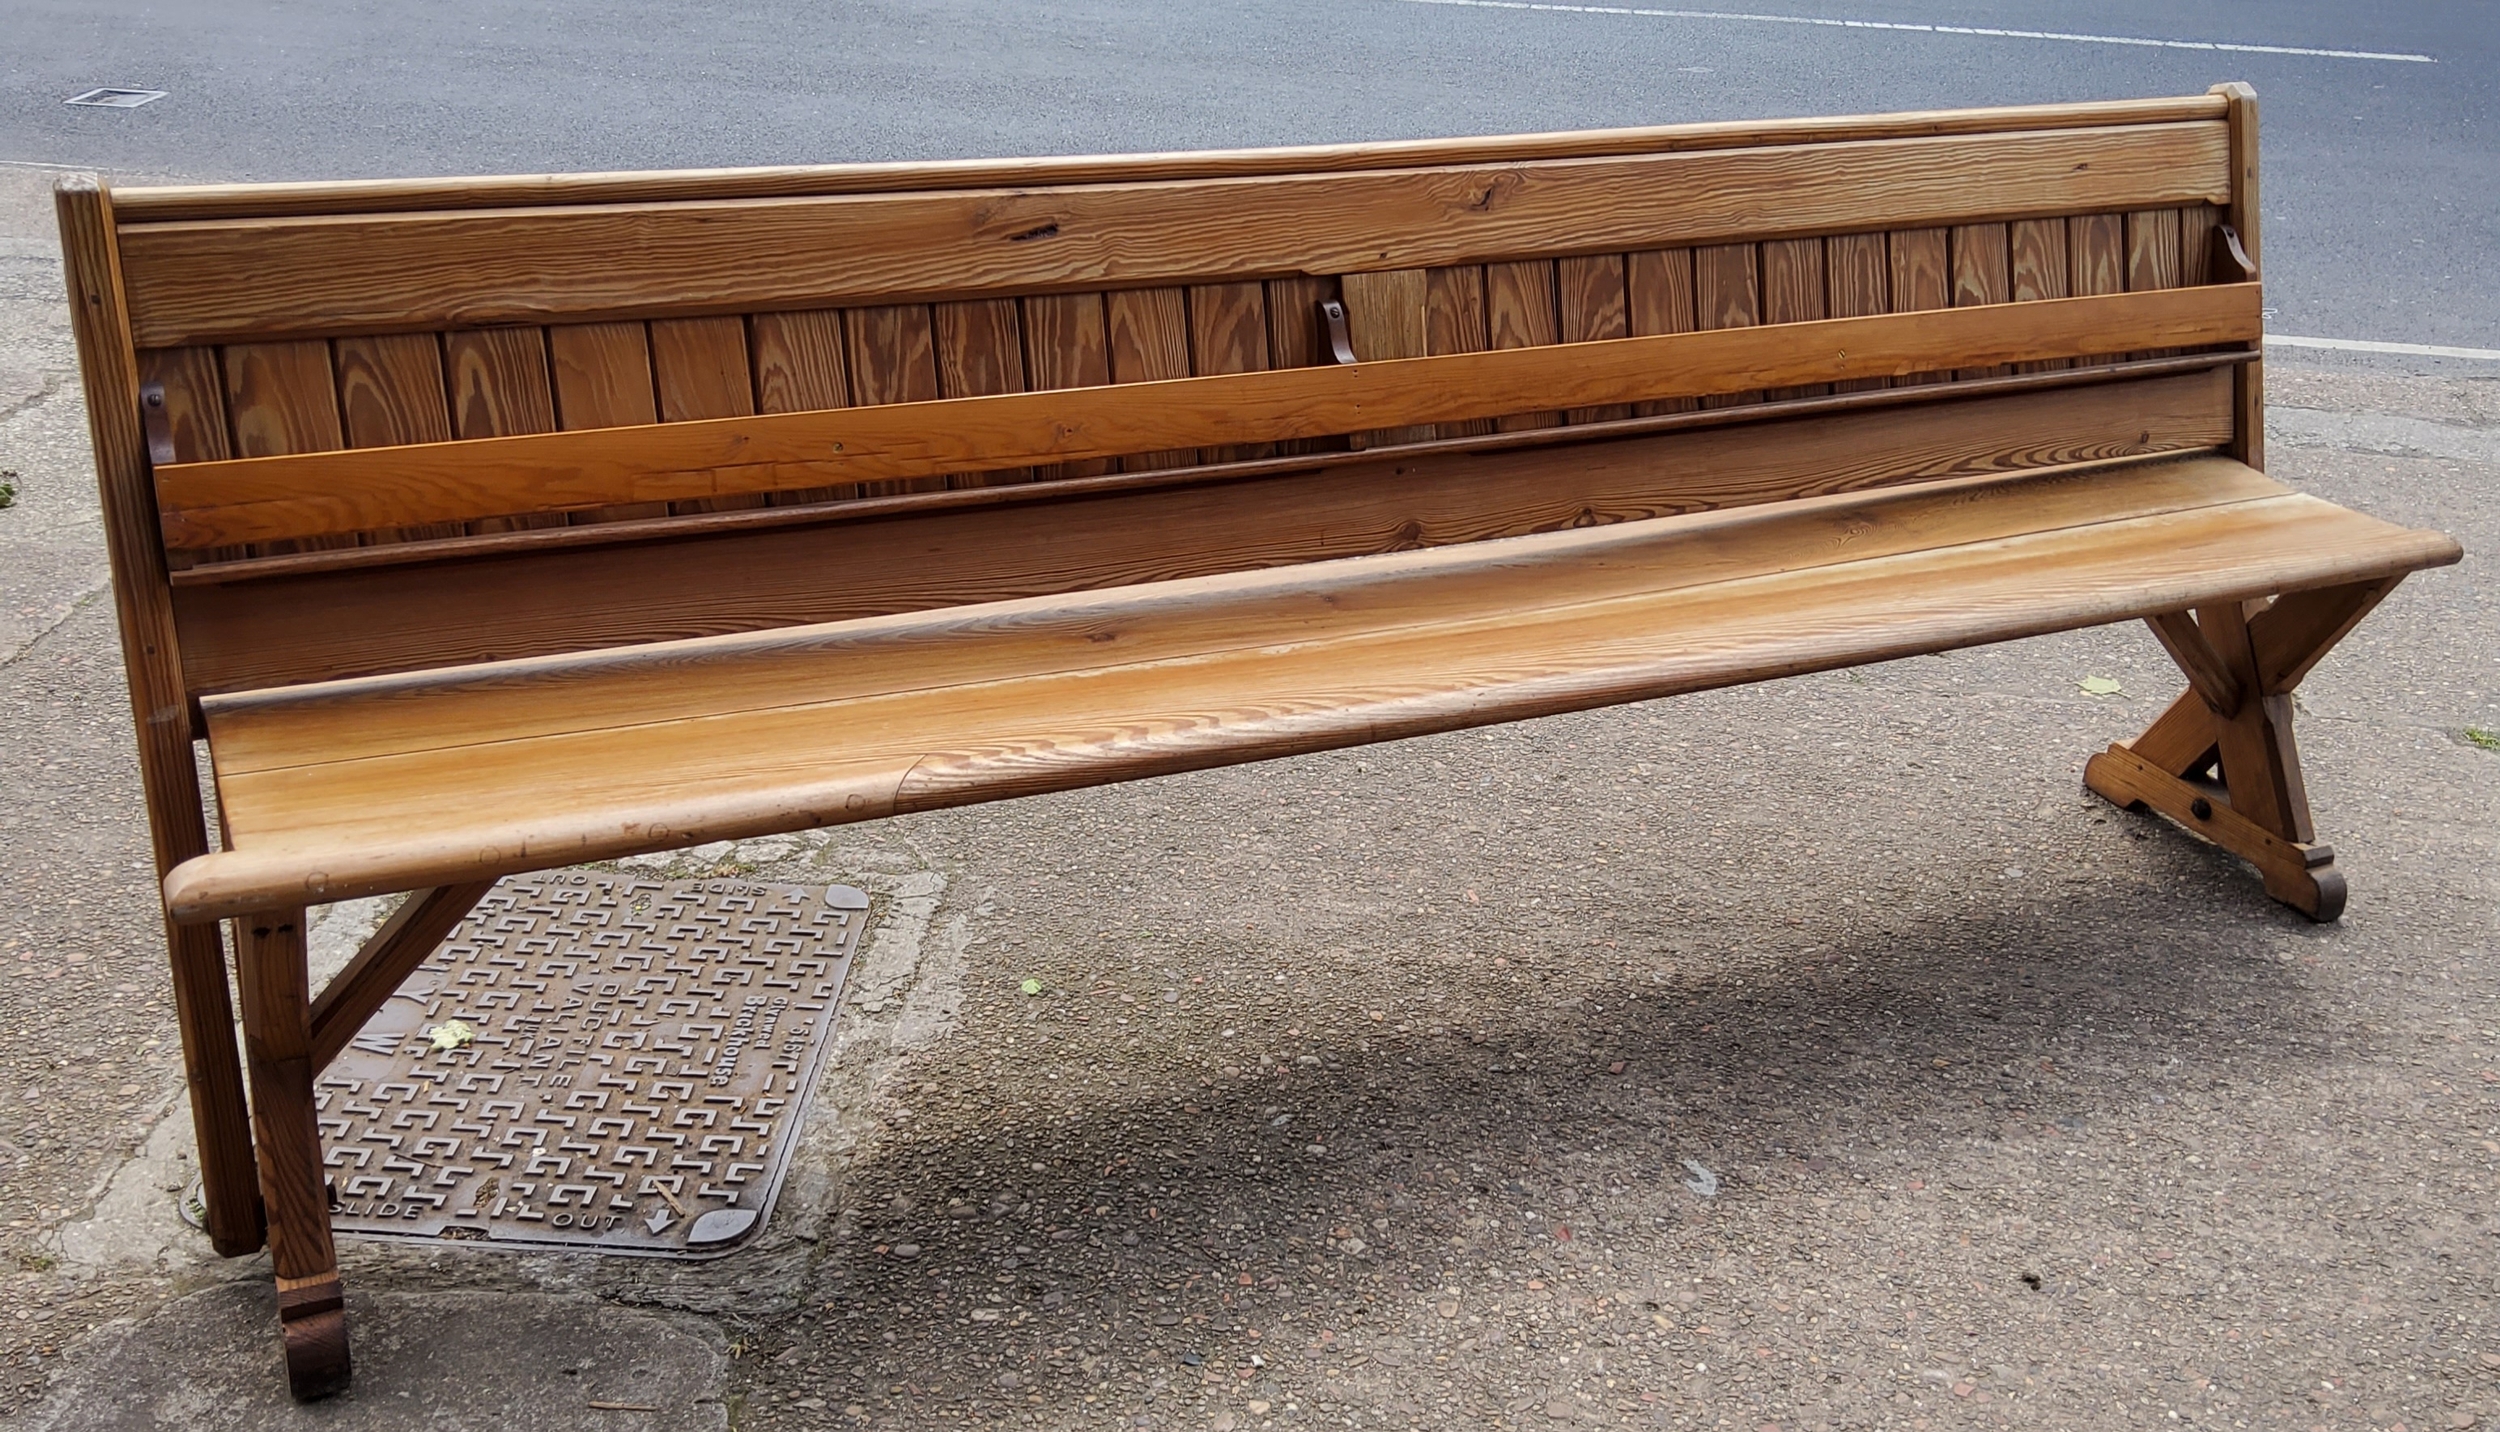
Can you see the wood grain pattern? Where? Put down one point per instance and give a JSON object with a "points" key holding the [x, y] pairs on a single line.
{"points": [[391, 391], [1591, 304], [1228, 334], [1982, 274], [312, 1316], [281, 399], [2197, 223], [499, 382], [266, 732], [1296, 661], [699, 370], [893, 359], [1520, 312], [1067, 345], [315, 627], [602, 379], [980, 352], [1857, 281], [2036, 255], [2097, 251], [260, 278], [1658, 297], [2153, 258], [1792, 292], [1149, 333], [211, 503], [235, 201], [1385, 314], [500, 387], [1922, 279], [1727, 293], [195, 412], [1295, 339], [799, 368], [152, 666], [1455, 322], [2259, 763], [2180, 741], [1386, 318], [195, 400], [269, 969]]}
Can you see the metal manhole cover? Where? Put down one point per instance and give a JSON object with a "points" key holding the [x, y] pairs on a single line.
{"points": [[594, 1062]]}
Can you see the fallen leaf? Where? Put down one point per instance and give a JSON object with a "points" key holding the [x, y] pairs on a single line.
{"points": [[2100, 686], [1032, 986], [452, 1034]]}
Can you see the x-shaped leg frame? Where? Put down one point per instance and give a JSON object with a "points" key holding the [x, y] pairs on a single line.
{"points": [[2221, 761]]}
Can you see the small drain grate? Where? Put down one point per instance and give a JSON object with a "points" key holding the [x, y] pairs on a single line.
{"points": [[116, 98], [593, 1062]]}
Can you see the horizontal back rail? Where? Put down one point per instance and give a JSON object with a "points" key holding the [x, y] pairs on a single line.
{"points": [[1666, 418], [206, 505], [165, 203], [325, 624], [278, 278]]}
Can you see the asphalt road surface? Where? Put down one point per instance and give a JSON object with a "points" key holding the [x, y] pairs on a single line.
{"points": [[2382, 189]]}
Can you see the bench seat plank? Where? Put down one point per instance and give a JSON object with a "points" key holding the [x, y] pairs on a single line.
{"points": [[356, 787]]}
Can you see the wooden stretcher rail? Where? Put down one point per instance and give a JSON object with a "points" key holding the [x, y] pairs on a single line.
{"points": [[164, 203], [207, 505], [843, 511], [330, 275]]}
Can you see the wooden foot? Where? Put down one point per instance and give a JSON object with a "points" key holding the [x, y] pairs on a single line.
{"points": [[277, 1035], [2235, 722], [2301, 875], [312, 1320]]}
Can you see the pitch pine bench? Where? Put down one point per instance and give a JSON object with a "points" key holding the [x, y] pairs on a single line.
{"points": [[480, 526]]}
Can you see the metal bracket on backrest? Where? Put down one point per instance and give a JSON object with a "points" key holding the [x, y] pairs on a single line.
{"points": [[156, 423], [2230, 257], [1340, 342]]}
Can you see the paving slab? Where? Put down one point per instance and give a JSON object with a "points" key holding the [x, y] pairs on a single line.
{"points": [[452, 1360]]}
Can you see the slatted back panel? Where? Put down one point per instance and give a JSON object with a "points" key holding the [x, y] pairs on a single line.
{"points": [[1512, 258], [373, 390]]}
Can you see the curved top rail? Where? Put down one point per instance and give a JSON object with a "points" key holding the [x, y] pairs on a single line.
{"points": [[168, 203]]}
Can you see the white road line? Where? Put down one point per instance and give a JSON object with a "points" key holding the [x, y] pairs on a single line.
{"points": [[2410, 350], [1930, 29]]}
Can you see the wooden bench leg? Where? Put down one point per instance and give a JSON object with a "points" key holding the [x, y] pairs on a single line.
{"points": [[220, 1121], [277, 1035], [2235, 720]]}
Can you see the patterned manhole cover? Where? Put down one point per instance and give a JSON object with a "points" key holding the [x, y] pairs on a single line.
{"points": [[594, 1062]]}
